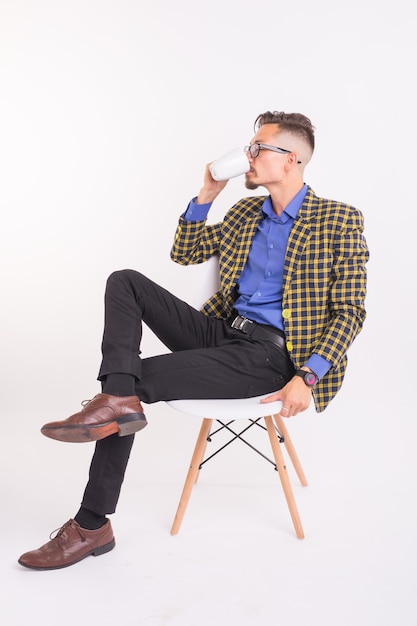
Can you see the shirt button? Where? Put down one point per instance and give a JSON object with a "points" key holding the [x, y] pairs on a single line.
{"points": [[289, 346], [286, 314]]}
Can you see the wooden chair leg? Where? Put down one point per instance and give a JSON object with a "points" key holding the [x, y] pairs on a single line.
{"points": [[203, 449], [285, 481], [192, 474], [290, 449]]}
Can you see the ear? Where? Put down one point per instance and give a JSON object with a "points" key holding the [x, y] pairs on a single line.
{"points": [[291, 161]]}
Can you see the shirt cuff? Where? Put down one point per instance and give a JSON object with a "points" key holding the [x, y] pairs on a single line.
{"points": [[318, 364], [196, 212]]}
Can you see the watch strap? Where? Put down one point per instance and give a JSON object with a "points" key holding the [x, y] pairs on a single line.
{"points": [[306, 375]]}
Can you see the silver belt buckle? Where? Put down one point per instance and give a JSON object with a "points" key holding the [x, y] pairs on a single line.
{"points": [[240, 322]]}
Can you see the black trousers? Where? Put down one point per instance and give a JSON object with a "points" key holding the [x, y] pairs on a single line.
{"points": [[206, 358]]}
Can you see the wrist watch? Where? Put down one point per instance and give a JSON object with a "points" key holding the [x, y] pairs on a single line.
{"points": [[310, 378]]}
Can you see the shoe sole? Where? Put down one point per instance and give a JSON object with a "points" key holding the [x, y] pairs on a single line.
{"points": [[82, 433], [95, 552]]}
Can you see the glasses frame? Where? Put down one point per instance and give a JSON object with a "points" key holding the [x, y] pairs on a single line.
{"points": [[264, 146]]}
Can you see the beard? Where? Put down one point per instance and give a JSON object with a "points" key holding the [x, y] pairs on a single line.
{"points": [[250, 186]]}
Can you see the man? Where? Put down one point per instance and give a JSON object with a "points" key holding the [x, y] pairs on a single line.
{"points": [[293, 280]]}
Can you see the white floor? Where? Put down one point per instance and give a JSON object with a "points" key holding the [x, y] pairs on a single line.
{"points": [[236, 559]]}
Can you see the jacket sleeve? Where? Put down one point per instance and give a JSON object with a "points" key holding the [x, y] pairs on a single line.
{"points": [[347, 291], [195, 242]]}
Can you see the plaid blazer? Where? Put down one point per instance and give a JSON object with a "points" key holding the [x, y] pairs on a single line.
{"points": [[324, 283]]}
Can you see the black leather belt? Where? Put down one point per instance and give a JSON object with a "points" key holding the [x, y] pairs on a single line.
{"points": [[258, 331]]}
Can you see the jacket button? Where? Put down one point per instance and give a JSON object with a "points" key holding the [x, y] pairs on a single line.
{"points": [[286, 314], [289, 346]]}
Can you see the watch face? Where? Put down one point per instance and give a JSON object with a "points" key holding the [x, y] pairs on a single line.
{"points": [[310, 378]]}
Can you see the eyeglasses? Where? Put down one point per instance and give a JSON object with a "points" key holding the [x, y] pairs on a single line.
{"points": [[255, 148]]}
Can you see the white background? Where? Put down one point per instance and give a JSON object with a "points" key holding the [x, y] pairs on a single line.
{"points": [[109, 112]]}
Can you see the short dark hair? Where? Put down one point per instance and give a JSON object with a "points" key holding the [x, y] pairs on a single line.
{"points": [[293, 122]]}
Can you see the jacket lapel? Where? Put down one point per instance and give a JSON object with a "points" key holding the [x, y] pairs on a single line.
{"points": [[299, 236], [231, 271], [244, 239]]}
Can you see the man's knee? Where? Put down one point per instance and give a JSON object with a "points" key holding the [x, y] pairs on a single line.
{"points": [[119, 277]]}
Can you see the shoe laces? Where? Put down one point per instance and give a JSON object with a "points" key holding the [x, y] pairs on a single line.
{"points": [[59, 532], [85, 402]]}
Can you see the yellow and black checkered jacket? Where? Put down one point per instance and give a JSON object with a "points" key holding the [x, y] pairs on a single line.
{"points": [[324, 283]]}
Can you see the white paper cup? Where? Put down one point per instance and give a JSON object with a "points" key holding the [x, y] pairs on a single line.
{"points": [[232, 164]]}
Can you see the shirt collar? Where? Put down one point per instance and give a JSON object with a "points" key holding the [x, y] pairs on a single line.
{"points": [[292, 207]]}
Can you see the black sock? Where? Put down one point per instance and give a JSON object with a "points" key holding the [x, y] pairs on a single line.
{"points": [[90, 520], [119, 385]]}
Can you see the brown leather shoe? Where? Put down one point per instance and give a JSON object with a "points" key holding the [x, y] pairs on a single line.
{"points": [[70, 545], [100, 417]]}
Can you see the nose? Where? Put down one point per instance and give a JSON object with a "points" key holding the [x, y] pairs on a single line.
{"points": [[248, 154]]}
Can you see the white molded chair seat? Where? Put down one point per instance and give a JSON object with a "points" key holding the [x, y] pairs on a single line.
{"points": [[234, 409], [228, 411]]}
